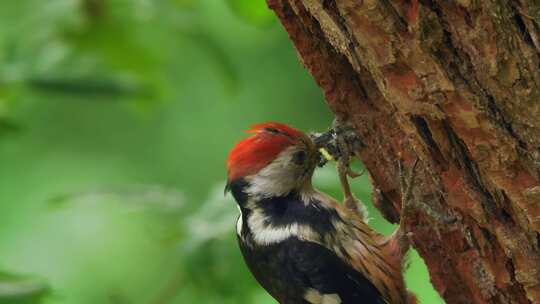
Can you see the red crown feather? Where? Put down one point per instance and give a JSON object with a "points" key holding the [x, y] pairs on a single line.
{"points": [[256, 151]]}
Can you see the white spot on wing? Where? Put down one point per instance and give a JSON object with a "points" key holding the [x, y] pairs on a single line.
{"points": [[315, 297], [331, 299]]}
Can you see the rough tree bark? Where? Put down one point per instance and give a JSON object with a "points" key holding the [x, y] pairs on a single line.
{"points": [[456, 84]]}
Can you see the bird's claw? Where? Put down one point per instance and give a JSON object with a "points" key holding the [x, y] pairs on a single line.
{"points": [[340, 143], [346, 143], [406, 187], [353, 174]]}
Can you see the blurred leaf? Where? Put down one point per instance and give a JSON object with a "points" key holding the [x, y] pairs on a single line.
{"points": [[16, 289], [33, 39], [94, 9], [215, 219], [7, 126], [253, 11]]}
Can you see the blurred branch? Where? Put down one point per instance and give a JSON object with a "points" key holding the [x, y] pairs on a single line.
{"points": [[145, 197], [215, 51], [88, 86]]}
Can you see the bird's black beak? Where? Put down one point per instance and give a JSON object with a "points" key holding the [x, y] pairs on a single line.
{"points": [[322, 139], [332, 141]]}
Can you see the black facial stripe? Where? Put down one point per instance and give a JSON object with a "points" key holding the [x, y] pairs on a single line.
{"points": [[299, 157], [272, 130], [237, 188]]}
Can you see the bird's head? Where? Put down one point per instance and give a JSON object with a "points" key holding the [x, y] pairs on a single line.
{"points": [[273, 161]]}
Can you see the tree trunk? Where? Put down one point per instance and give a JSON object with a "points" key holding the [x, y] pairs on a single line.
{"points": [[454, 83]]}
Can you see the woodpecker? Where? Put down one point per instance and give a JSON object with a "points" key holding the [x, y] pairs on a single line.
{"points": [[300, 244]]}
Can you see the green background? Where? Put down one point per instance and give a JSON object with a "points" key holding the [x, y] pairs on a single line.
{"points": [[116, 117]]}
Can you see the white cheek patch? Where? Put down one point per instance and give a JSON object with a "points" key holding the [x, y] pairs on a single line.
{"points": [[315, 297], [278, 178], [239, 222]]}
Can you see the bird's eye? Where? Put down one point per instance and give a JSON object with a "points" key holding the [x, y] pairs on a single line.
{"points": [[299, 157]]}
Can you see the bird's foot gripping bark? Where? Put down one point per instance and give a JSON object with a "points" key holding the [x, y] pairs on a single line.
{"points": [[349, 200], [406, 184], [340, 143]]}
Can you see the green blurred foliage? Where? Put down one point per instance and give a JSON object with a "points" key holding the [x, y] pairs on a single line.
{"points": [[255, 12], [17, 289], [115, 120]]}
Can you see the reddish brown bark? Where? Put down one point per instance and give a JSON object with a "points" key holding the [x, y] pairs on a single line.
{"points": [[456, 84]]}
